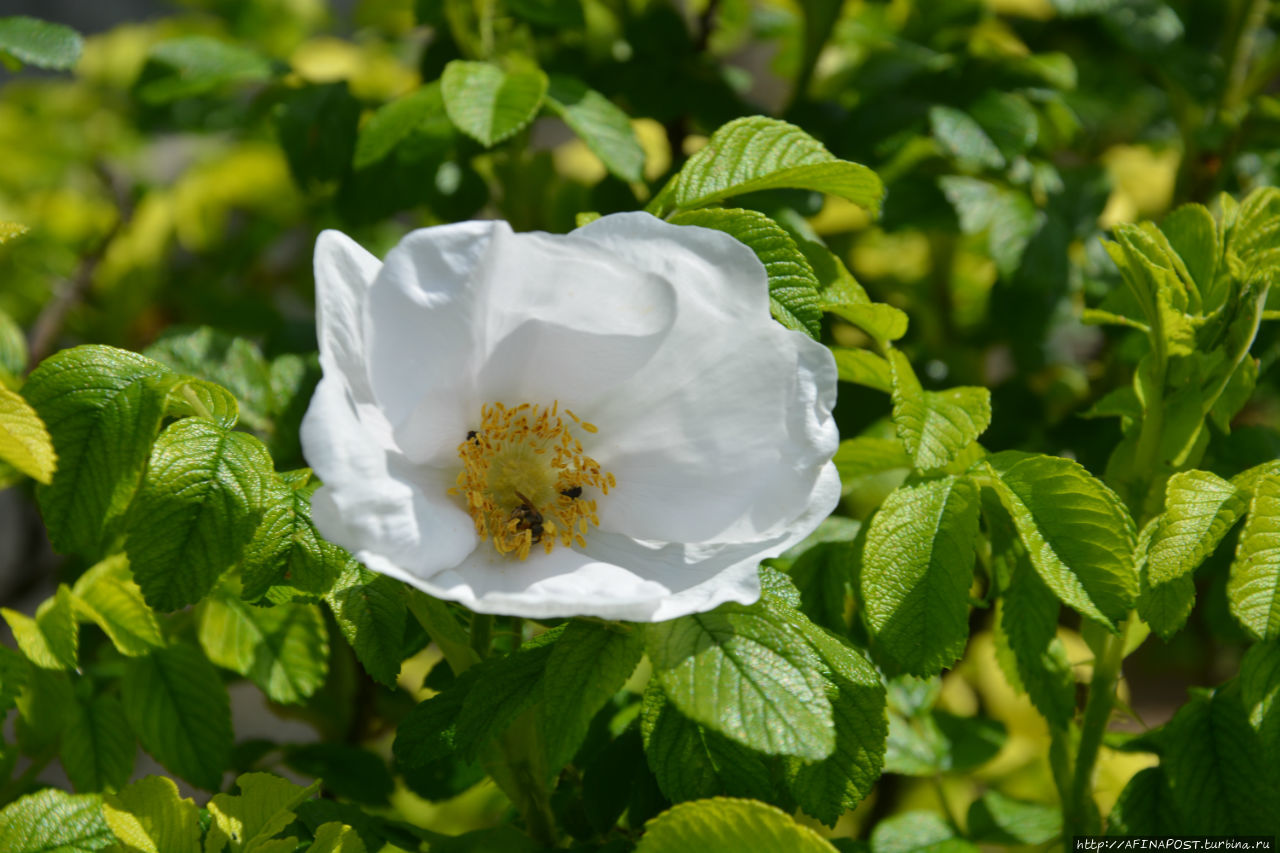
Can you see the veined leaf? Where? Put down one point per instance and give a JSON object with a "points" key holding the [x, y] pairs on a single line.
{"points": [[246, 820], [1214, 763], [602, 125], [1007, 215], [179, 709], [24, 441], [392, 123], [1078, 535], [1027, 628], [1253, 588], [370, 611], [13, 344], [827, 789], [282, 649], [863, 367], [880, 321], [1193, 234], [198, 506], [150, 816], [917, 568], [53, 820], [1200, 508], [52, 639], [98, 747], [793, 288], [588, 664], [864, 455], [918, 832], [504, 689], [40, 43], [960, 136], [108, 595], [690, 762], [723, 825], [759, 153], [287, 558], [935, 426], [334, 837], [490, 104], [997, 819], [13, 677], [745, 673], [103, 407], [1145, 806]]}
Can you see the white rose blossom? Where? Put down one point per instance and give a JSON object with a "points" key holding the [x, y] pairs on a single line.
{"points": [[605, 423]]}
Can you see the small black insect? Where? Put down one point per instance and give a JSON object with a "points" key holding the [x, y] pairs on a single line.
{"points": [[527, 517], [471, 436], [572, 492]]}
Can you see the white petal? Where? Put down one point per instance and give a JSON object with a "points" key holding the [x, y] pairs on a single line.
{"points": [[468, 316], [720, 437], [371, 498], [617, 577], [344, 271]]}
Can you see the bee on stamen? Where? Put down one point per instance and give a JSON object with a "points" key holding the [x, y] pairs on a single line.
{"points": [[572, 492], [527, 517], [471, 436]]}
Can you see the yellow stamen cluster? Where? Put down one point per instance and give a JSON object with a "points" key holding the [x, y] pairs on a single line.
{"points": [[524, 479]]}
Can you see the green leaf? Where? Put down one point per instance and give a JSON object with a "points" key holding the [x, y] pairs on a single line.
{"points": [[52, 820], [1199, 510], [588, 665], [723, 825], [348, 771], [863, 367], [864, 455], [759, 153], [1193, 234], [828, 788], [429, 732], [333, 837], [602, 125], [745, 673], [199, 505], [917, 567], [1027, 626], [179, 709], [44, 706], [283, 649], [13, 677], [690, 762], [504, 689], [24, 441], [150, 816], [1215, 766], [287, 557], [825, 575], [490, 104], [1145, 806], [793, 288], [882, 322], [40, 43], [997, 819], [962, 138], [52, 639], [917, 832], [935, 426], [1008, 120], [103, 407], [1253, 587], [108, 595], [1260, 693], [198, 398], [193, 65], [370, 611], [393, 122], [264, 806], [13, 344], [1078, 535], [98, 747], [1008, 216]]}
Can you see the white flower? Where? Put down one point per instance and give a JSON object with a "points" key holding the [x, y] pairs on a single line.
{"points": [[647, 367]]}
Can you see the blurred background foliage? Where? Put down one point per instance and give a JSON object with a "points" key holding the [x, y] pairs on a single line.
{"points": [[178, 174]]}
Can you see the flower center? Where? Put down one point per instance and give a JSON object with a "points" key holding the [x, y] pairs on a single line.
{"points": [[525, 479]]}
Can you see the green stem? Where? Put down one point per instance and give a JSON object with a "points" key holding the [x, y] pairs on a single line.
{"points": [[481, 634], [1081, 816]]}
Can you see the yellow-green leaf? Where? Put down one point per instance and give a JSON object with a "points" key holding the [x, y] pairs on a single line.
{"points": [[24, 440]]}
